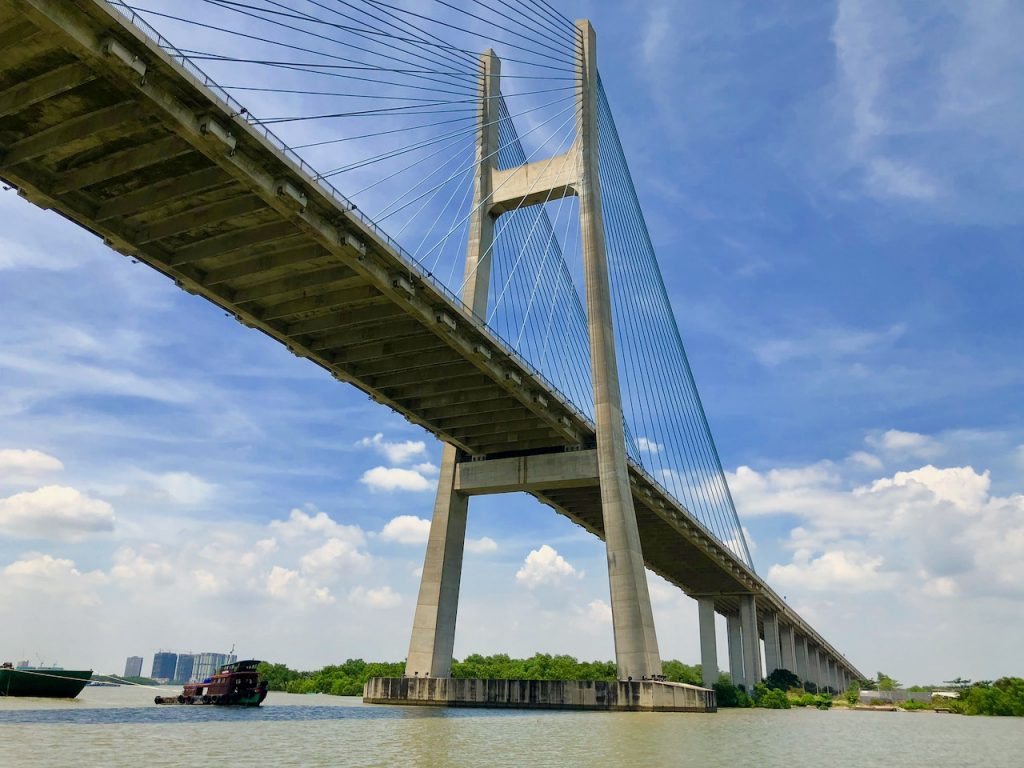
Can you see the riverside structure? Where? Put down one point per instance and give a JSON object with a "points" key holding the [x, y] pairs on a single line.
{"points": [[105, 122]]}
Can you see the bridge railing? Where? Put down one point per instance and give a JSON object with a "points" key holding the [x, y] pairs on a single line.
{"points": [[233, 106]]}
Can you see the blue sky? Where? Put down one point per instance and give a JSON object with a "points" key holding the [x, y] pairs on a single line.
{"points": [[834, 193]]}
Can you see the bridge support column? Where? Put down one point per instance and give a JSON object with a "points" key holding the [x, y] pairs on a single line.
{"points": [[733, 635], [751, 641], [814, 662], [803, 669], [708, 642], [636, 644], [433, 628], [772, 646], [787, 641]]}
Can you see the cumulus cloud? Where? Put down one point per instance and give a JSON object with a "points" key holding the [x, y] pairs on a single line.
{"points": [[934, 531], [291, 587], [304, 524], [54, 577], [406, 529], [396, 453], [333, 555], [545, 567], [28, 461], [481, 546], [389, 479], [380, 597], [54, 512], [599, 612], [834, 571]]}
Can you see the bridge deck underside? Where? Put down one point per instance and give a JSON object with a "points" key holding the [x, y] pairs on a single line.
{"points": [[125, 159]]}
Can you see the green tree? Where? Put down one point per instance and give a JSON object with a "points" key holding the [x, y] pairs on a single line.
{"points": [[782, 680], [886, 683]]}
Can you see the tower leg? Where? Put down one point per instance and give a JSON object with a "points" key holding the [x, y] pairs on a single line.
{"points": [[751, 641], [433, 628]]}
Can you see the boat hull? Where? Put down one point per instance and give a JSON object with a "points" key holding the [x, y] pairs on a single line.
{"points": [[48, 683]]}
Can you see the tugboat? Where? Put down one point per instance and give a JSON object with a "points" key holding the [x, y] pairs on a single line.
{"points": [[235, 684]]}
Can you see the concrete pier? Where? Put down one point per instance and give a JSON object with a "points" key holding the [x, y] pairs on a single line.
{"points": [[708, 642], [620, 696], [751, 642]]}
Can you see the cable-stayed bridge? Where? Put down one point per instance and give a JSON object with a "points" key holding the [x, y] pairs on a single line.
{"points": [[516, 309]]}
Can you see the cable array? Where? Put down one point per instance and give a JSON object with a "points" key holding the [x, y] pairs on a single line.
{"points": [[384, 99], [668, 429]]}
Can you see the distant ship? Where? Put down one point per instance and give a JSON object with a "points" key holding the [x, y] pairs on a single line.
{"points": [[235, 684], [43, 682]]}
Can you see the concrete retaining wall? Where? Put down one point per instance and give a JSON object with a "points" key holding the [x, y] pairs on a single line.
{"points": [[643, 696]]}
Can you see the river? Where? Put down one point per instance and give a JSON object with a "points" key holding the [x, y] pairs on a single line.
{"points": [[121, 727]]}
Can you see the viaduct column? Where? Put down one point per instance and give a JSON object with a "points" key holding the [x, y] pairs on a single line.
{"points": [[803, 668], [708, 643], [636, 645], [751, 641], [787, 639], [433, 629], [732, 627], [772, 645]]}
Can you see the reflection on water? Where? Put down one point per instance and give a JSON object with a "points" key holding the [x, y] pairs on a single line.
{"points": [[122, 727]]}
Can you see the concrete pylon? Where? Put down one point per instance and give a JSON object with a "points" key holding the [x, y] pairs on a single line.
{"points": [[734, 636], [772, 644], [802, 666], [708, 642], [636, 644], [751, 641], [433, 629], [787, 641]]}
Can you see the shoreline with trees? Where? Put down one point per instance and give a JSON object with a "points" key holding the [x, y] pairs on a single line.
{"points": [[780, 690]]}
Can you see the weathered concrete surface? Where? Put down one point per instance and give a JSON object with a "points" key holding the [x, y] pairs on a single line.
{"points": [[629, 696]]}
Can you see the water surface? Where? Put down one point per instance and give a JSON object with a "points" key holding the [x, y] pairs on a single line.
{"points": [[111, 727]]}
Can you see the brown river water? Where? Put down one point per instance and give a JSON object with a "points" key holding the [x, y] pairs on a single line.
{"points": [[122, 727]]}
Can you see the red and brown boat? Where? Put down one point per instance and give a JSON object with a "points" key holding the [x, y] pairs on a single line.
{"points": [[235, 684]]}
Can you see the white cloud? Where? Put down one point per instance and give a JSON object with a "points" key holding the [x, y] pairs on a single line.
{"points": [[390, 479], [406, 529], [15, 461], [481, 546], [865, 459], [54, 512], [135, 568], [645, 444], [426, 468], [396, 453], [599, 612], [289, 586], [303, 524], [15, 255], [900, 443], [931, 531], [545, 567], [183, 488], [54, 577], [834, 571], [336, 554], [380, 597]]}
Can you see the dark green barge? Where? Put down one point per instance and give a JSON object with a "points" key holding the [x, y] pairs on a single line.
{"points": [[43, 682]]}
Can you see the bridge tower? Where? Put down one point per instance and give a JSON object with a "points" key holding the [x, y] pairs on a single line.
{"points": [[496, 192]]}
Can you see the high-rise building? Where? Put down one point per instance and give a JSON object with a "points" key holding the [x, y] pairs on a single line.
{"points": [[207, 664], [186, 663], [133, 667], [164, 663]]}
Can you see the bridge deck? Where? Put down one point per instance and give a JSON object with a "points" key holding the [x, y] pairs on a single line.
{"points": [[127, 157]]}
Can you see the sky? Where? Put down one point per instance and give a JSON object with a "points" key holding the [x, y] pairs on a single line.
{"points": [[834, 193]]}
